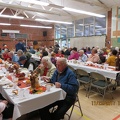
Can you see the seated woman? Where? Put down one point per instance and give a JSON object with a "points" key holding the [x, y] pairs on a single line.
{"points": [[112, 59], [59, 54], [74, 54], [6, 109], [94, 57], [53, 58], [83, 57], [5, 55], [46, 68]]}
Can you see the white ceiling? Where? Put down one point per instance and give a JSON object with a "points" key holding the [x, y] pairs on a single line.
{"points": [[54, 11]]}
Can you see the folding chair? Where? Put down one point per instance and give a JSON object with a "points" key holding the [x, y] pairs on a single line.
{"points": [[100, 83], [84, 78], [79, 106]]}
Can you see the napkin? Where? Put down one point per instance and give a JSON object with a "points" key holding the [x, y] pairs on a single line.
{"points": [[4, 81]]}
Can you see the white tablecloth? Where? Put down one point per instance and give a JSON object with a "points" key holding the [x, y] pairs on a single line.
{"points": [[107, 73], [33, 102], [34, 56]]}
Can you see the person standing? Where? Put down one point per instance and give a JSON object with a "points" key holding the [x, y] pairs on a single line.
{"points": [[20, 46]]}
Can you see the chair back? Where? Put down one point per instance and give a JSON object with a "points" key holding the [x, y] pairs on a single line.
{"points": [[97, 76], [81, 72], [71, 68]]}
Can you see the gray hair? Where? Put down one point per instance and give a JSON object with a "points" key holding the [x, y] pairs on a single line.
{"points": [[62, 60], [82, 51], [47, 60], [20, 53]]}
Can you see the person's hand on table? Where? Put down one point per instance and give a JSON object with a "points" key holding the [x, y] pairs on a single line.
{"points": [[41, 66], [45, 78], [58, 85]]}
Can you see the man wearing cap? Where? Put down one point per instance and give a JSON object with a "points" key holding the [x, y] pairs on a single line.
{"points": [[26, 63]]}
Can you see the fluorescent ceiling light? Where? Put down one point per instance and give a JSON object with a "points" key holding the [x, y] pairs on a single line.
{"points": [[33, 26], [5, 24], [53, 21], [35, 2], [9, 16], [83, 12]]}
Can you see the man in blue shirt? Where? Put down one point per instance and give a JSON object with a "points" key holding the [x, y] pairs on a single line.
{"points": [[20, 46], [65, 79]]}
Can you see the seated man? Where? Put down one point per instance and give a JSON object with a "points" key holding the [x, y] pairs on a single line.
{"points": [[65, 79], [27, 63], [5, 55], [46, 68]]}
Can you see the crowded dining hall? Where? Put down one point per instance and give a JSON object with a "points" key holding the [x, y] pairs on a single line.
{"points": [[59, 60]]}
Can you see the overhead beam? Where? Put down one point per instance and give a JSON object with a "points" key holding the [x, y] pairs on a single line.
{"points": [[3, 10], [25, 14], [93, 3], [28, 9], [12, 11]]}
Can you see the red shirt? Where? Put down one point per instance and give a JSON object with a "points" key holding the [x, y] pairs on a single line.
{"points": [[6, 56], [45, 71], [59, 55]]}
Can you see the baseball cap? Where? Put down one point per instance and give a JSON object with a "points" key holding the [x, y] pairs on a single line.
{"points": [[23, 57]]}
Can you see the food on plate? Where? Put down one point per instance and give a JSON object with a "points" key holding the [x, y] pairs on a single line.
{"points": [[28, 82], [10, 85], [51, 84], [10, 69], [20, 75], [15, 92], [38, 90]]}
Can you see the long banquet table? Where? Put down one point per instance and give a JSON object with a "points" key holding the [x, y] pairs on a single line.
{"points": [[108, 73], [30, 102], [33, 102]]}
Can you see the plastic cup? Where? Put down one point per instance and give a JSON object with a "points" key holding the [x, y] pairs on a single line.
{"points": [[48, 87]]}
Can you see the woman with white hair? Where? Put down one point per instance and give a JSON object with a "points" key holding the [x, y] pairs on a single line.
{"points": [[46, 68], [82, 57]]}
